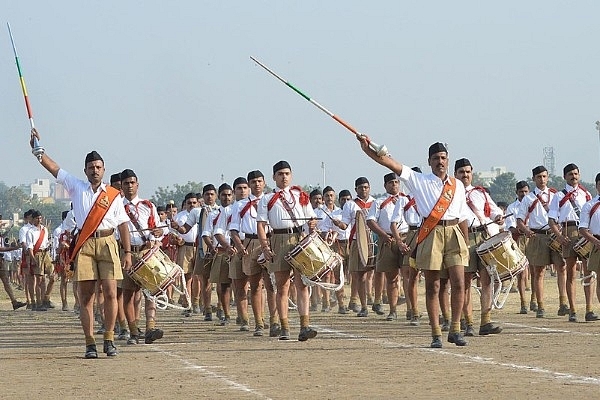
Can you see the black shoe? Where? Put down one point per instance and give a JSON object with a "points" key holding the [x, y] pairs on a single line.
{"points": [[363, 312], [208, 316], [489, 329], [533, 306], [306, 333], [436, 342], [378, 309], [343, 310], [152, 335], [18, 304], [590, 316], [90, 351], [275, 330], [470, 331], [109, 348], [445, 325], [284, 335], [457, 338], [353, 307], [563, 310], [523, 310], [572, 317]]}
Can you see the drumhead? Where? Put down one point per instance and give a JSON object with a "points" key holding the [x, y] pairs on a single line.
{"points": [[362, 237], [493, 243]]}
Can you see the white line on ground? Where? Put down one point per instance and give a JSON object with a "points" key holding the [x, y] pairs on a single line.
{"points": [[209, 374], [476, 359], [549, 330]]}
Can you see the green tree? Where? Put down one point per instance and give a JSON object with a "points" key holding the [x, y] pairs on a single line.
{"points": [[165, 194], [502, 187]]}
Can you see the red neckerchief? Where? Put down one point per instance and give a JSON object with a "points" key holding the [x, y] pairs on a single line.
{"points": [[572, 193], [391, 199], [216, 218], [304, 197], [250, 203]]}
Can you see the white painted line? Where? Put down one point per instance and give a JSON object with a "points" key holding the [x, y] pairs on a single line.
{"points": [[475, 359], [209, 374], [549, 330]]}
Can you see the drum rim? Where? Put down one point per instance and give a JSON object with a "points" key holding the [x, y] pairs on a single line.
{"points": [[496, 245], [362, 237]]}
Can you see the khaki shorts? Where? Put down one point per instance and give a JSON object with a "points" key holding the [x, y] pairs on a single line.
{"points": [[127, 283], [44, 264], [443, 248], [249, 264], [410, 238], [540, 254], [475, 264], [202, 266], [235, 268], [593, 263], [573, 235], [98, 258], [186, 258], [219, 271], [282, 244], [388, 257], [5, 265], [354, 262]]}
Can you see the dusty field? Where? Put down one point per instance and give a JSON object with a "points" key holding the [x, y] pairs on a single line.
{"points": [[41, 354]]}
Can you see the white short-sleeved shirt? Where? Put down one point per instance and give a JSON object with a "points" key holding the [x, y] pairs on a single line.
{"points": [[83, 198], [427, 189], [191, 218], [222, 223], [23, 232], [350, 209], [33, 235], [326, 223], [538, 217], [591, 222], [511, 214], [277, 216], [476, 200], [383, 217], [567, 213], [142, 214]]}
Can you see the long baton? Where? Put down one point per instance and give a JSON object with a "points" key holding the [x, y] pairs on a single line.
{"points": [[37, 150], [381, 150]]}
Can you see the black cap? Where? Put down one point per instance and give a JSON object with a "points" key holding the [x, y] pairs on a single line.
{"points": [[521, 185], [345, 193], [597, 178], [281, 165], [161, 209], [254, 174], [115, 178], [63, 215], [569, 167], [417, 169], [190, 196], [208, 187], [360, 181], [538, 170], [389, 177], [28, 213], [170, 205], [436, 148], [224, 186], [93, 156], [128, 173], [328, 189], [240, 181], [461, 162], [36, 214], [315, 192]]}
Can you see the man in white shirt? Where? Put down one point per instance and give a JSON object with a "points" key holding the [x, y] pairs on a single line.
{"points": [[441, 243], [589, 228]]}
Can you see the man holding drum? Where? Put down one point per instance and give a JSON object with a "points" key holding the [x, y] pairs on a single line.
{"points": [[589, 228], [481, 211], [287, 212], [563, 216], [521, 190], [441, 243], [532, 219], [143, 235], [98, 210]]}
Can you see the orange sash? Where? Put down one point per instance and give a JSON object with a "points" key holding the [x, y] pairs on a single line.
{"points": [[438, 211], [94, 218]]}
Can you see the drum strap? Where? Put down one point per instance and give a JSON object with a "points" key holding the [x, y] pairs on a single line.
{"points": [[134, 219], [438, 211], [38, 243], [391, 199], [411, 202], [94, 218], [487, 209], [570, 197]]}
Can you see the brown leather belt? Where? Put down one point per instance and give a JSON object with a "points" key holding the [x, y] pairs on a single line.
{"points": [[342, 241], [413, 228], [448, 222], [254, 236], [191, 244], [570, 223], [477, 229], [288, 231], [542, 231], [100, 233]]}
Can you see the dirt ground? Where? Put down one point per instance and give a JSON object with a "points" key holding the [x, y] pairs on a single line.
{"points": [[41, 356]]}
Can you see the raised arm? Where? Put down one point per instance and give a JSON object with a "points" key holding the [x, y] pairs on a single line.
{"points": [[386, 161], [46, 161]]}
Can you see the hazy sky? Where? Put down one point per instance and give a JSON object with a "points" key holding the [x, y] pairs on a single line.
{"points": [[168, 88]]}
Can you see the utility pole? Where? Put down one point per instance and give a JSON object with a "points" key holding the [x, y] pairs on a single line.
{"points": [[323, 169]]}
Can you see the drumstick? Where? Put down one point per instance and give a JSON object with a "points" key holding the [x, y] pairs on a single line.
{"points": [[301, 219], [381, 150], [504, 216]]}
